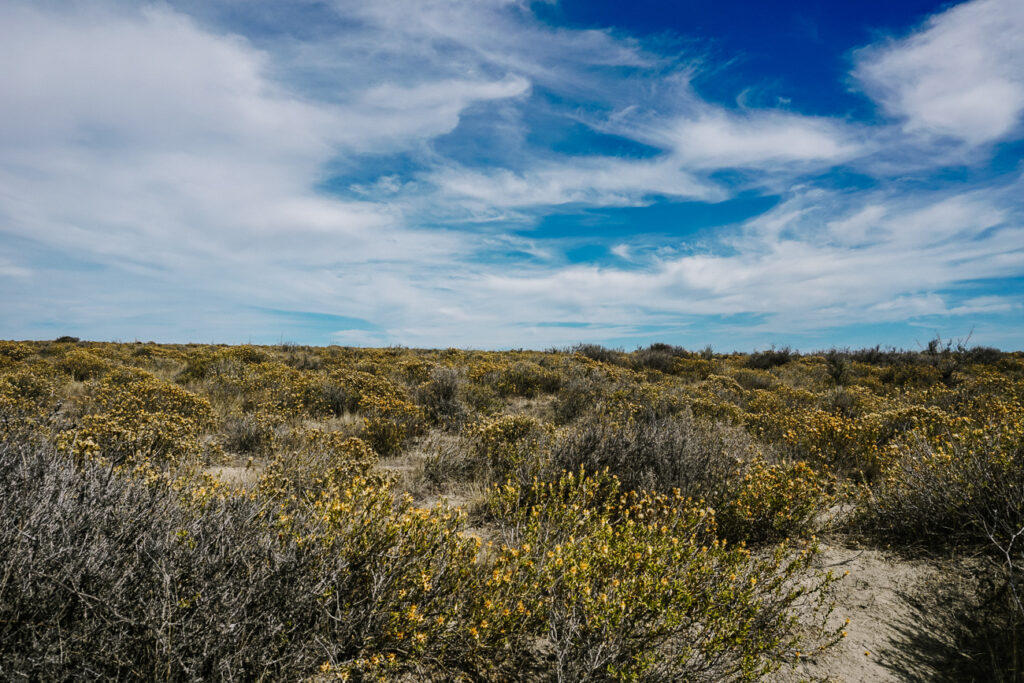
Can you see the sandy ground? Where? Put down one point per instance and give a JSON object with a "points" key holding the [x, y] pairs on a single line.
{"points": [[242, 477], [889, 637]]}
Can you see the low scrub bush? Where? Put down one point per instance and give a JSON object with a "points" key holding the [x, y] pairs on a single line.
{"points": [[766, 360], [580, 393], [838, 366], [516, 378], [26, 396], [702, 460], [82, 364], [249, 433], [694, 369], [968, 488], [911, 375], [440, 397], [15, 351], [660, 357], [508, 446], [389, 422], [777, 501], [751, 379], [106, 578], [600, 353], [636, 586], [317, 460], [139, 418], [719, 464]]}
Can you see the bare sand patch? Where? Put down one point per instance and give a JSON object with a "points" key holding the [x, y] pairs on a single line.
{"points": [[878, 596], [238, 476]]}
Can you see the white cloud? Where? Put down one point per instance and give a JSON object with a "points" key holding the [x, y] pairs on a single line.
{"points": [[806, 280], [387, 115], [148, 78], [8, 269], [858, 228], [623, 251], [985, 304], [145, 143], [596, 181], [716, 139], [960, 75]]}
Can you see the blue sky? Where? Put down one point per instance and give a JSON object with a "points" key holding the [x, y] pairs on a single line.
{"points": [[505, 174]]}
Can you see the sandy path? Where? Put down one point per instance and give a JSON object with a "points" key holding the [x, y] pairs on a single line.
{"points": [[878, 597]]}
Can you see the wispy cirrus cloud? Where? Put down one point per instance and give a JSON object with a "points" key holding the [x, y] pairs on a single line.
{"points": [[593, 181], [913, 258]]}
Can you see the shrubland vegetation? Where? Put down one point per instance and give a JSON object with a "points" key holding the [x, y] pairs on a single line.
{"points": [[642, 516]]}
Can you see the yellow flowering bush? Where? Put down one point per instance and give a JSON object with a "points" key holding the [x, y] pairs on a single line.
{"points": [[389, 422], [27, 398], [637, 586], [15, 351], [140, 417], [693, 369], [317, 461], [718, 398], [777, 501], [82, 364], [508, 446], [966, 486], [515, 378]]}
